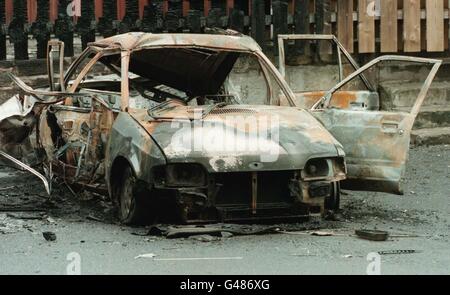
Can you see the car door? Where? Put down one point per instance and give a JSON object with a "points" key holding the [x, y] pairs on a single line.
{"points": [[376, 143]]}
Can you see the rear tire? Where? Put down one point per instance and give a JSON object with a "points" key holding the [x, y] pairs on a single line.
{"points": [[133, 201]]}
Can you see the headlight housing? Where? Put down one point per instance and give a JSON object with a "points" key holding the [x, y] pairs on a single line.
{"points": [[317, 168], [182, 175], [321, 168]]}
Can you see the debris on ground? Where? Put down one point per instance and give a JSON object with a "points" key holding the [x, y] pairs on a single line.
{"points": [[372, 235], [347, 256], [49, 236], [10, 225], [38, 216], [147, 255], [398, 252], [94, 218], [225, 230], [198, 258], [205, 238]]}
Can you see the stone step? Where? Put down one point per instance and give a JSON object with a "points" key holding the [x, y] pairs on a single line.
{"points": [[412, 71], [430, 116], [400, 94], [431, 136]]}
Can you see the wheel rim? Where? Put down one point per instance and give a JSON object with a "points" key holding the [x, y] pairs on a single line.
{"points": [[126, 202]]}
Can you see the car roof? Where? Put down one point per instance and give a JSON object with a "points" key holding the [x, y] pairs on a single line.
{"points": [[139, 40]]}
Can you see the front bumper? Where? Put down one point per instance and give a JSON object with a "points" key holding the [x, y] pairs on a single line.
{"points": [[250, 196]]}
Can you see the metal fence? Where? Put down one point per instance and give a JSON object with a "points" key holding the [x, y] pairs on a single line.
{"points": [[362, 26]]}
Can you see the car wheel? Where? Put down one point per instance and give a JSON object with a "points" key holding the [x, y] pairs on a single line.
{"points": [[133, 202], [333, 201]]}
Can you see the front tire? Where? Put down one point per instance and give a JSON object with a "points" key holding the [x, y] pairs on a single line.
{"points": [[332, 203], [133, 201]]}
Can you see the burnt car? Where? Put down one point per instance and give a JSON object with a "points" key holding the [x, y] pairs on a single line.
{"points": [[200, 128]]}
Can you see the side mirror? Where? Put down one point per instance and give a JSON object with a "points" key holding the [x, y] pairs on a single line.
{"points": [[55, 51]]}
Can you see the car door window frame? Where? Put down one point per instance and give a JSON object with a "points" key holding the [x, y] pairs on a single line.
{"points": [[324, 102]]}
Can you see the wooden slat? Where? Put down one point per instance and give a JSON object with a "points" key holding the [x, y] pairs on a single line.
{"points": [[142, 4], [53, 14], [98, 9], [121, 9], [323, 24], [230, 5], [389, 26], [435, 25], [366, 27], [206, 7], [8, 10], [411, 25], [31, 10], [186, 7], [345, 24]]}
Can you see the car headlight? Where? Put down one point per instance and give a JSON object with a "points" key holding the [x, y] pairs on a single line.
{"points": [[317, 168], [185, 175]]}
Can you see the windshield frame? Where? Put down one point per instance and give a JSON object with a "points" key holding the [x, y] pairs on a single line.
{"points": [[268, 68]]}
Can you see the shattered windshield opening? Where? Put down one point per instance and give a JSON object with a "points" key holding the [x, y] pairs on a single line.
{"points": [[192, 76], [201, 74]]}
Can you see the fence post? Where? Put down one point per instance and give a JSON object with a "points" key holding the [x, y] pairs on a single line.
{"points": [[280, 25], [193, 21], [173, 16], [16, 30], [151, 17], [3, 30], [323, 26], [64, 28], [107, 24], [128, 22], [236, 20], [258, 23], [301, 23], [213, 20], [86, 23], [41, 28]]}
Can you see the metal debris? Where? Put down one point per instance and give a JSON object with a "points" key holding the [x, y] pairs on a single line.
{"points": [[372, 235], [398, 252], [147, 255], [49, 236]]}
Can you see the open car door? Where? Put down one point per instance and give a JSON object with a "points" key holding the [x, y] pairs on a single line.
{"points": [[376, 143]]}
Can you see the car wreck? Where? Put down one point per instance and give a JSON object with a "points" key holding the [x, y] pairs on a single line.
{"points": [[170, 130]]}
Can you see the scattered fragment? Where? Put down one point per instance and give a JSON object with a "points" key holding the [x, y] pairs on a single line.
{"points": [[50, 220], [226, 234], [155, 231], [322, 233], [24, 216], [347, 256], [147, 255], [91, 217], [183, 232], [394, 252], [204, 238], [49, 236], [198, 258], [7, 188], [372, 235]]}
